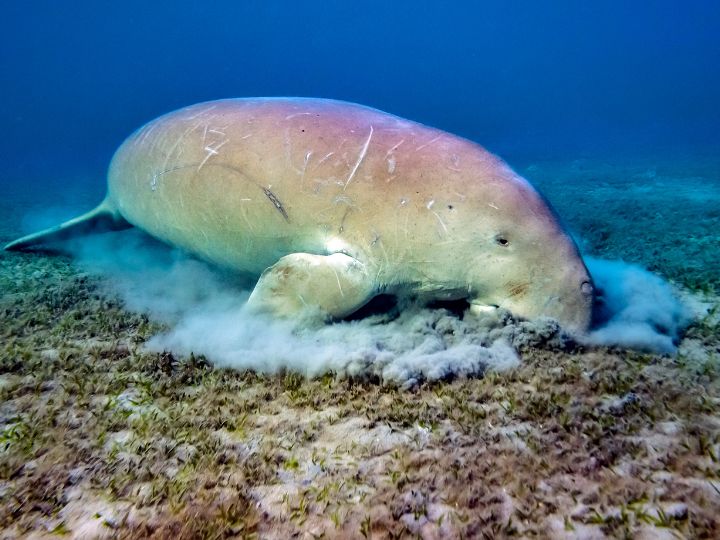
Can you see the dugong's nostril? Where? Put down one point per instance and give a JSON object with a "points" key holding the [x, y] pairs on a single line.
{"points": [[586, 288]]}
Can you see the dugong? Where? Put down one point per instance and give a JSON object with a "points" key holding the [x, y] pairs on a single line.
{"points": [[329, 204]]}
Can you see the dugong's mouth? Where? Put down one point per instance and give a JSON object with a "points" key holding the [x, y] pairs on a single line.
{"points": [[573, 309]]}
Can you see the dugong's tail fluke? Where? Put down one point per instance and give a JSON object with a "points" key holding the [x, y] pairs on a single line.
{"points": [[103, 218]]}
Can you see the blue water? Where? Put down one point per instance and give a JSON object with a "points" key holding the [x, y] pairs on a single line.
{"points": [[524, 78]]}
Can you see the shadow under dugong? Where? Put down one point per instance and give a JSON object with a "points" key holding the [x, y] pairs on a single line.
{"points": [[332, 203]]}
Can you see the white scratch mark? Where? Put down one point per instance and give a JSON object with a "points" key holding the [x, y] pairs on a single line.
{"points": [[428, 143], [216, 131], [246, 136], [154, 180], [429, 206], [171, 152], [286, 139], [200, 113], [337, 278], [288, 151], [148, 130], [305, 165], [391, 164], [442, 223], [492, 205], [394, 148], [212, 151], [325, 158], [297, 114], [363, 152]]}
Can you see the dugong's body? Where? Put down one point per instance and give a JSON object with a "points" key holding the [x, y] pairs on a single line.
{"points": [[332, 203]]}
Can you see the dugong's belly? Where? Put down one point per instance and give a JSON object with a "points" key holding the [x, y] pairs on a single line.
{"points": [[243, 183]]}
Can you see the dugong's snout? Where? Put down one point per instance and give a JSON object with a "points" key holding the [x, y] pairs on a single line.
{"points": [[559, 287], [571, 301], [575, 310]]}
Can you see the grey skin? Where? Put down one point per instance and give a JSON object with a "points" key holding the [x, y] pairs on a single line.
{"points": [[332, 203]]}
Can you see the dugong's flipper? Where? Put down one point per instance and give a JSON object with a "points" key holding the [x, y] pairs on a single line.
{"points": [[313, 285], [103, 218]]}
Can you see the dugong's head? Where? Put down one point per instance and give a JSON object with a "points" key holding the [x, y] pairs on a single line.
{"points": [[527, 263]]}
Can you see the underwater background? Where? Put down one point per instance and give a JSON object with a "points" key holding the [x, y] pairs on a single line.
{"points": [[118, 413], [525, 79]]}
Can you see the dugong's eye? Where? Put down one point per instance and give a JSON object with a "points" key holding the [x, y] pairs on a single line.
{"points": [[501, 240]]}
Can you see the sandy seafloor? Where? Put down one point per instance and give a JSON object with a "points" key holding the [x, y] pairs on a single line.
{"points": [[100, 438]]}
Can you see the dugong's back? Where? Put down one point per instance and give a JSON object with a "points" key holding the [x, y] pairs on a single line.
{"points": [[243, 182]]}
